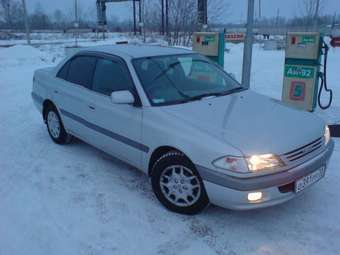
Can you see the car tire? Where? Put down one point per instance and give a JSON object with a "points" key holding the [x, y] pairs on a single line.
{"points": [[55, 126], [177, 184]]}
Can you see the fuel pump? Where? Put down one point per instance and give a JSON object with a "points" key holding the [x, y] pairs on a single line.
{"points": [[303, 70], [210, 44]]}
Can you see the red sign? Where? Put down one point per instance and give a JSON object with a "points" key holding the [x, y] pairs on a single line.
{"points": [[234, 37], [335, 42], [293, 40]]}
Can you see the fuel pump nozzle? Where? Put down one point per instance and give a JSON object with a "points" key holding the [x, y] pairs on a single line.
{"points": [[323, 77]]}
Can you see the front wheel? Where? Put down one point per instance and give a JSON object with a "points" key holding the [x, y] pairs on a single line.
{"points": [[177, 184]]}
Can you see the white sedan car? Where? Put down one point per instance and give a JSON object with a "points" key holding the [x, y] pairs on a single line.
{"points": [[182, 120]]}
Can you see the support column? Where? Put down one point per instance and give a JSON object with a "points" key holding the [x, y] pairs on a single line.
{"points": [[162, 25], [202, 14], [167, 17], [140, 17], [134, 18]]}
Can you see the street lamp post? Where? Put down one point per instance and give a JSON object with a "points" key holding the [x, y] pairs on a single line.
{"points": [[248, 46], [27, 28]]}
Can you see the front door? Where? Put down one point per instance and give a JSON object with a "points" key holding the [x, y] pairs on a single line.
{"points": [[117, 128]]}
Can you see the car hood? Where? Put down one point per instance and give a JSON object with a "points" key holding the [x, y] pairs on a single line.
{"points": [[253, 123]]}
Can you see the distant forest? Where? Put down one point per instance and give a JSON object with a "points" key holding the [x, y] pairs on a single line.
{"points": [[182, 17]]}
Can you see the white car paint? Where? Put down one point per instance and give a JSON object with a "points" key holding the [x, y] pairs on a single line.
{"points": [[241, 124]]}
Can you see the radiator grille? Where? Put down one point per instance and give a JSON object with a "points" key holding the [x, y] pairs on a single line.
{"points": [[304, 152]]}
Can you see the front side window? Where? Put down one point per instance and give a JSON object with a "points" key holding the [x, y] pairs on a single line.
{"points": [[81, 70], [110, 76], [182, 78], [63, 72]]}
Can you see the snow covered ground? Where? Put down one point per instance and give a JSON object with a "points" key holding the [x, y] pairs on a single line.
{"points": [[75, 199]]}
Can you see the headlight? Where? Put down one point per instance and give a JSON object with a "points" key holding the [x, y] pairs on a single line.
{"points": [[327, 135], [254, 163], [261, 162]]}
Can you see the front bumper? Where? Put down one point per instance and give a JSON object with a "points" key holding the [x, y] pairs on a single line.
{"points": [[231, 192]]}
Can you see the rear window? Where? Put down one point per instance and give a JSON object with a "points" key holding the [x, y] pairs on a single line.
{"points": [[81, 70]]}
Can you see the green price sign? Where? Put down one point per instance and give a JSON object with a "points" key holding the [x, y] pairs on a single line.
{"points": [[308, 39], [209, 38], [299, 72]]}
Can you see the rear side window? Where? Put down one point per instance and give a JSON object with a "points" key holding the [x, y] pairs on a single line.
{"points": [[62, 74], [110, 76], [81, 70]]}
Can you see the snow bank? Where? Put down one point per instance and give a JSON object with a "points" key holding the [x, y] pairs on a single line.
{"points": [[22, 55]]}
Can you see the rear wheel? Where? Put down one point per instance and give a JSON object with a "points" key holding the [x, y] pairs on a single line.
{"points": [[177, 184], [55, 126]]}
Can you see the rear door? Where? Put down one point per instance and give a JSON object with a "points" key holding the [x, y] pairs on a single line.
{"points": [[71, 94], [118, 127]]}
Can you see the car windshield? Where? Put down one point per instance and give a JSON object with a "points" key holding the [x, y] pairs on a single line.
{"points": [[182, 78]]}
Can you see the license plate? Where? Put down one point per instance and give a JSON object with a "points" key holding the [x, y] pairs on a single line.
{"points": [[310, 179]]}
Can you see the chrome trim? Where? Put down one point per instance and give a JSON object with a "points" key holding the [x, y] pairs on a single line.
{"points": [[304, 153]]}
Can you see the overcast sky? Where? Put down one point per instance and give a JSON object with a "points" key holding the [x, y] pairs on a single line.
{"points": [[236, 13]]}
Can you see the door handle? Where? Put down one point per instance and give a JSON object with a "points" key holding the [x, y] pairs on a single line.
{"points": [[92, 107]]}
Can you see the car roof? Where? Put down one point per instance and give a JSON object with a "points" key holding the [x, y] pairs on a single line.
{"points": [[138, 51]]}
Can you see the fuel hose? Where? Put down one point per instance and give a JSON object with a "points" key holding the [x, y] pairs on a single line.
{"points": [[323, 77]]}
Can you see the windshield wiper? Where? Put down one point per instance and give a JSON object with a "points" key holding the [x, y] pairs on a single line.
{"points": [[199, 97], [231, 91], [216, 94]]}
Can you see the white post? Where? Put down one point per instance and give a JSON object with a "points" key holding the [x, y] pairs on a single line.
{"points": [[260, 10], [27, 28], [76, 22], [248, 46], [316, 15]]}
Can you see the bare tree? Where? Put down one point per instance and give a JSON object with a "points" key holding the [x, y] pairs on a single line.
{"points": [[217, 11], [311, 9], [39, 19], [6, 6], [13, 15], [2, 15], [152, 15], [58, 16], [182, 16]]}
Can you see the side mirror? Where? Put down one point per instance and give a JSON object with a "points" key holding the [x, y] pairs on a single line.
{"points": [[122, 97]]}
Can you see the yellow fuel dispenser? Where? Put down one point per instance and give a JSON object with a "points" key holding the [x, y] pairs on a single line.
{"points": [[210, 44], [302, 70]]}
